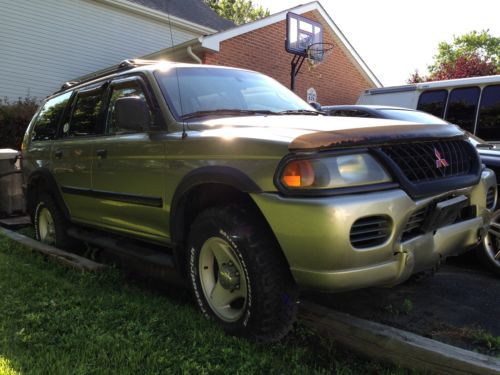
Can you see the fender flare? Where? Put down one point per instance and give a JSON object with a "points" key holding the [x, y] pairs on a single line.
{"points": [[51, 187], [227, 176]]}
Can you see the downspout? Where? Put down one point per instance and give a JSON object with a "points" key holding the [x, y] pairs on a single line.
{"points": [[193, 56]]}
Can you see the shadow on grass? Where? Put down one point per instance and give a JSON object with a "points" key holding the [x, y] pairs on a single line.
{"points": [[55, 320]]}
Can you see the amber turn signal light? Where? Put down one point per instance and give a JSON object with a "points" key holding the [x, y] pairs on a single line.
{"points": [[297, 174]]}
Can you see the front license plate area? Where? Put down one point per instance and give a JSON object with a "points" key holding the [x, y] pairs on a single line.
{"points": [[445, 213]]}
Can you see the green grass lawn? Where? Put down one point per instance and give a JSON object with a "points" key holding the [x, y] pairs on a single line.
{"points": [[55, 320]]}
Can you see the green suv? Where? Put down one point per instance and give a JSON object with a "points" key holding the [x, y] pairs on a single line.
{"points": [[224, 180]]}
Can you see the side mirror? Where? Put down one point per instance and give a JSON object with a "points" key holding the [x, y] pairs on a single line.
{"points": [[132, 113], [315, 105]]}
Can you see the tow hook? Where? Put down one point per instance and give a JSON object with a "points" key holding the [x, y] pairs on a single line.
{"points": [[481, 233]]}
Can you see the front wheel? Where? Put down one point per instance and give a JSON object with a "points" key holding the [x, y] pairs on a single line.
{"points": [[238, 276], [489, 254]]}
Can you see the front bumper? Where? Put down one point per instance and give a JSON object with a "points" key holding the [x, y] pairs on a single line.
{"points": [[314, 234]]}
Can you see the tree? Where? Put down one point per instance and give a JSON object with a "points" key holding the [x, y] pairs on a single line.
{"points": [[415, 77], [470, 55], [482, 44], [238, 11], [468, 65]]}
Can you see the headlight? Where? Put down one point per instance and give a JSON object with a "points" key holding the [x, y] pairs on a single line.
{"points": [[332, 172]]}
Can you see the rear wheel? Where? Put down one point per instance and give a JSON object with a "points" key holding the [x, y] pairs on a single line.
{"points": [[51, 225], [489, 253], [238, 276]]}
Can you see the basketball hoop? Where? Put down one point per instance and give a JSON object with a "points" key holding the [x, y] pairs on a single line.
{"points": [[316, 53]]}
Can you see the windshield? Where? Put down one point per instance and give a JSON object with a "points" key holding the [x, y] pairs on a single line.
{"points": [[200, 90], [413, 116]]}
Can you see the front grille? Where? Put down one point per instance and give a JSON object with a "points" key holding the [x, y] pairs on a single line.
{"points": [[490, 198], [413, 227], [427, 161], [370, 231]]}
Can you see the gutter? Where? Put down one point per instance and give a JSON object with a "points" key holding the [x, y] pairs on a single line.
{"points": [[193, 56]]}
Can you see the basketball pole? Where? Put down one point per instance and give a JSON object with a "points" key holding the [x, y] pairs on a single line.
{"points": [[296, 64]]}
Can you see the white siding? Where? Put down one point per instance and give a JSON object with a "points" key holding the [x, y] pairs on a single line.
{"points": [[44, 43]]}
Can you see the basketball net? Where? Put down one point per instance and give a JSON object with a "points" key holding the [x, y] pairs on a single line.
{"points": [[316, 53]]}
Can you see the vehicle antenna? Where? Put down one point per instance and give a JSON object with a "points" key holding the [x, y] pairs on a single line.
{"points": [[184, 133]]}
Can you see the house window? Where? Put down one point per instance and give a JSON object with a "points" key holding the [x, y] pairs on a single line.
{"points": [[462, 107], [433, 102], [488, 125]]}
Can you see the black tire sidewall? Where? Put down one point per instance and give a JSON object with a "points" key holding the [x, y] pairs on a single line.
{"points": [[62, 240], [204, 231]]}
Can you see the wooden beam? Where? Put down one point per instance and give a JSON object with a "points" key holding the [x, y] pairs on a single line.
{"points": [[61, 256], [406, 349]]}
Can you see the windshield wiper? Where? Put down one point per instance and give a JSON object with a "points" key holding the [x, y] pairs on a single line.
{"points": [[300, 112], [228, 112]]}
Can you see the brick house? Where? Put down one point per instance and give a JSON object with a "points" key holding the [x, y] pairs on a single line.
{"points": [[260, 46]]}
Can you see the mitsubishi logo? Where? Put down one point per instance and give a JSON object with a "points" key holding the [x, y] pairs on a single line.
{"points": [[440, 161]]}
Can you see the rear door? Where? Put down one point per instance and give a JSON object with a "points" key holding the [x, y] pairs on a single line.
{"points": [[128, 171], [72, 152]]}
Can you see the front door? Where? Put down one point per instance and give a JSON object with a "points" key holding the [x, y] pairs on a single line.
{"points": [[128, 172]]}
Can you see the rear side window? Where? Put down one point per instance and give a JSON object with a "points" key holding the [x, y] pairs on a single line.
{"points": [[433, 102], [46, 123], [85, 119], [488, 126], [462, 107]]}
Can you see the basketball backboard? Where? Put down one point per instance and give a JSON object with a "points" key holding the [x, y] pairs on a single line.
{"points": [[301, 32]]}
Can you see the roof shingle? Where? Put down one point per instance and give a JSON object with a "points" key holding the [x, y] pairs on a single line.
{"points": [[195, 11]]}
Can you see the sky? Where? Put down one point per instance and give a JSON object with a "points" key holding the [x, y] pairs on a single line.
{"points": [[395, 37]]}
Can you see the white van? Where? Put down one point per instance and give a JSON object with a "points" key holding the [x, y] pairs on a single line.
{"points": [[471, 103]]}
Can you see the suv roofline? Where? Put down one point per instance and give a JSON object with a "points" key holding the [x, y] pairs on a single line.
{"points": [[129, 65]]}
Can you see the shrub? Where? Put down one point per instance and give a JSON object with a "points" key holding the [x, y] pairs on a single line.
{"points": [[14, 119]]}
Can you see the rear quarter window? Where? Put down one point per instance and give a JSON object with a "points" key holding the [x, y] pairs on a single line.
{"points": [[46, 123]]}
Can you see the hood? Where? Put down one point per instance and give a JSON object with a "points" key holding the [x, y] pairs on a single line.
{"points": [[322, 132]]}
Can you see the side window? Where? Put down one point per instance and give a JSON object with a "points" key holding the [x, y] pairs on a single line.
{"points": [[120, 90], [488, 126], [462, 107], [86, 112], [433, 102], [46, 123]]}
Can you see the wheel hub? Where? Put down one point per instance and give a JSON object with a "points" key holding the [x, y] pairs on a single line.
{"points": [[229, 277], [223, 279], [46, 227]]}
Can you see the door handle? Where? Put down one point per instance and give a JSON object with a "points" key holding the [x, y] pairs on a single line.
{"points": [[102, 154], [58, 154]]}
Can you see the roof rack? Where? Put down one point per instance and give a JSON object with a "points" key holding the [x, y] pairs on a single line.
{"points": [[124, 65]]}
